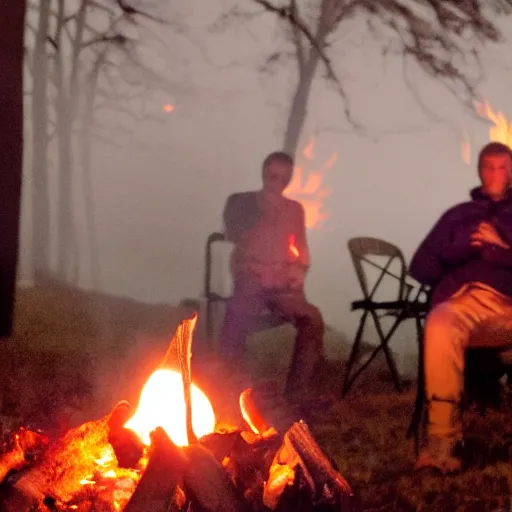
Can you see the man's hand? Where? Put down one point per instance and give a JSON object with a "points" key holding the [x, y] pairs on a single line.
{"points": [[487, 234]]}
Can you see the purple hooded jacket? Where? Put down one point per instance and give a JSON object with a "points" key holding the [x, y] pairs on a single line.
{"points": [[446, 261]]}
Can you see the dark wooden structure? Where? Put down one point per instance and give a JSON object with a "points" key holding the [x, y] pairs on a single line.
{"points": [[12, 17]]}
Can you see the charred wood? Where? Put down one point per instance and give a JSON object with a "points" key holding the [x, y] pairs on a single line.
{"points": [[207, 484], [158, 488], [127, 446]]}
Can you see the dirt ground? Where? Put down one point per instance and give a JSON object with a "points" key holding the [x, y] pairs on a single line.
{"points": [[74, 355]]}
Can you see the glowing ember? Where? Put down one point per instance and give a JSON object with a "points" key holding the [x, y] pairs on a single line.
{"points": [[501, 131], [294, 251], [306, 186], [162, 404], [106, 458], [169, 108]]}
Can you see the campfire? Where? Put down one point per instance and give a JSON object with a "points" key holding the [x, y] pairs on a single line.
{"points": [[170, 455]]}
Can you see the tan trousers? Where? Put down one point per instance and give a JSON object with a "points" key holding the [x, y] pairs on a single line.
{"points": [[475, 316]]}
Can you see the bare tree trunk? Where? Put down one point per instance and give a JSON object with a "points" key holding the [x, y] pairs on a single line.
{"points": [[62, 133], [11, 149], [69, 227], [298, 108], [308, 59], [86, 141], [66, 246], [40, 199], [68, 254]]}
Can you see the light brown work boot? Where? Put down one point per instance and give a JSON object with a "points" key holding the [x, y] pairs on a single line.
{"points": [[438, 454]]}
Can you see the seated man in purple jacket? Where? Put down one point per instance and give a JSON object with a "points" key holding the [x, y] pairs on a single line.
{"points": [[269, 264], [467, 259]]}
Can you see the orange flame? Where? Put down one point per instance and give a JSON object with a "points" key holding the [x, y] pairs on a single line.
{"points": [[169, 107], [294, 251], [162, 404], [501, 130], [466, 148], [306, 186]]}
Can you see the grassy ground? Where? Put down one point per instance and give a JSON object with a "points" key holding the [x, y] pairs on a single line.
{"points": [[74, 355]]}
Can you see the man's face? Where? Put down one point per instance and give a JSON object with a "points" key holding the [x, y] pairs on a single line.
{"points": [[496, 175], [277, 176]]}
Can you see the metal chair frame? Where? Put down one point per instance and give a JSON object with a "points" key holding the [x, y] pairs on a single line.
{"points": [[403, 308], [212, 298]]}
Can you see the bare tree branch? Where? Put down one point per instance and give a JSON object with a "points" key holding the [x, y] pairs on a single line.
{"points": [[131, 12], [119, 39], [291, 15], [297, 39], [443, 37], [317, 41]]}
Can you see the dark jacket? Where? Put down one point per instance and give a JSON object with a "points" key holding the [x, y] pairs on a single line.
{"points": [[446, 260], [263, 237]]}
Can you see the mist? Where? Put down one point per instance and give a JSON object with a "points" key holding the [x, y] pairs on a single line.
{"points": [[164, 161]]}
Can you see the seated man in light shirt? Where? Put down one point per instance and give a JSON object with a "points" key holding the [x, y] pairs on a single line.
{"points": [[467, 260], [269, 265]]}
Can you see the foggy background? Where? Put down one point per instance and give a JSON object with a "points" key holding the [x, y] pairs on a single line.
{"points": [[159, 181]]}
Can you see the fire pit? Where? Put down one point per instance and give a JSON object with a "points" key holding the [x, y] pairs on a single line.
{"points": [[170, 455]]}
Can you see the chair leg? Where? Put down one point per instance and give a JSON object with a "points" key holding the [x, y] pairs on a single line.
{"points": [[347, 382], [209, 321], [416, 423], [393, 369], [418, 430], [416, 419], [367, 363], [384, 340], [387, 352]]}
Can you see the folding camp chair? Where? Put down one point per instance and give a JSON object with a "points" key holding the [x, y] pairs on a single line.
{"points": [[364, 252]]}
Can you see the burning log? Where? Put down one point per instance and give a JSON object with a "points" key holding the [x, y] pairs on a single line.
{"points": [[13, 500], [158, 489], [193, 469], [300, 462], [73, 467], [248, 464], [25, 445], [72, 460], [252, 415], [207, 483], [179, 354], [127, 446]]}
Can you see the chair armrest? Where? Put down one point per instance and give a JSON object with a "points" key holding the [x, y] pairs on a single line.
{"points": [[422, 289]]}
